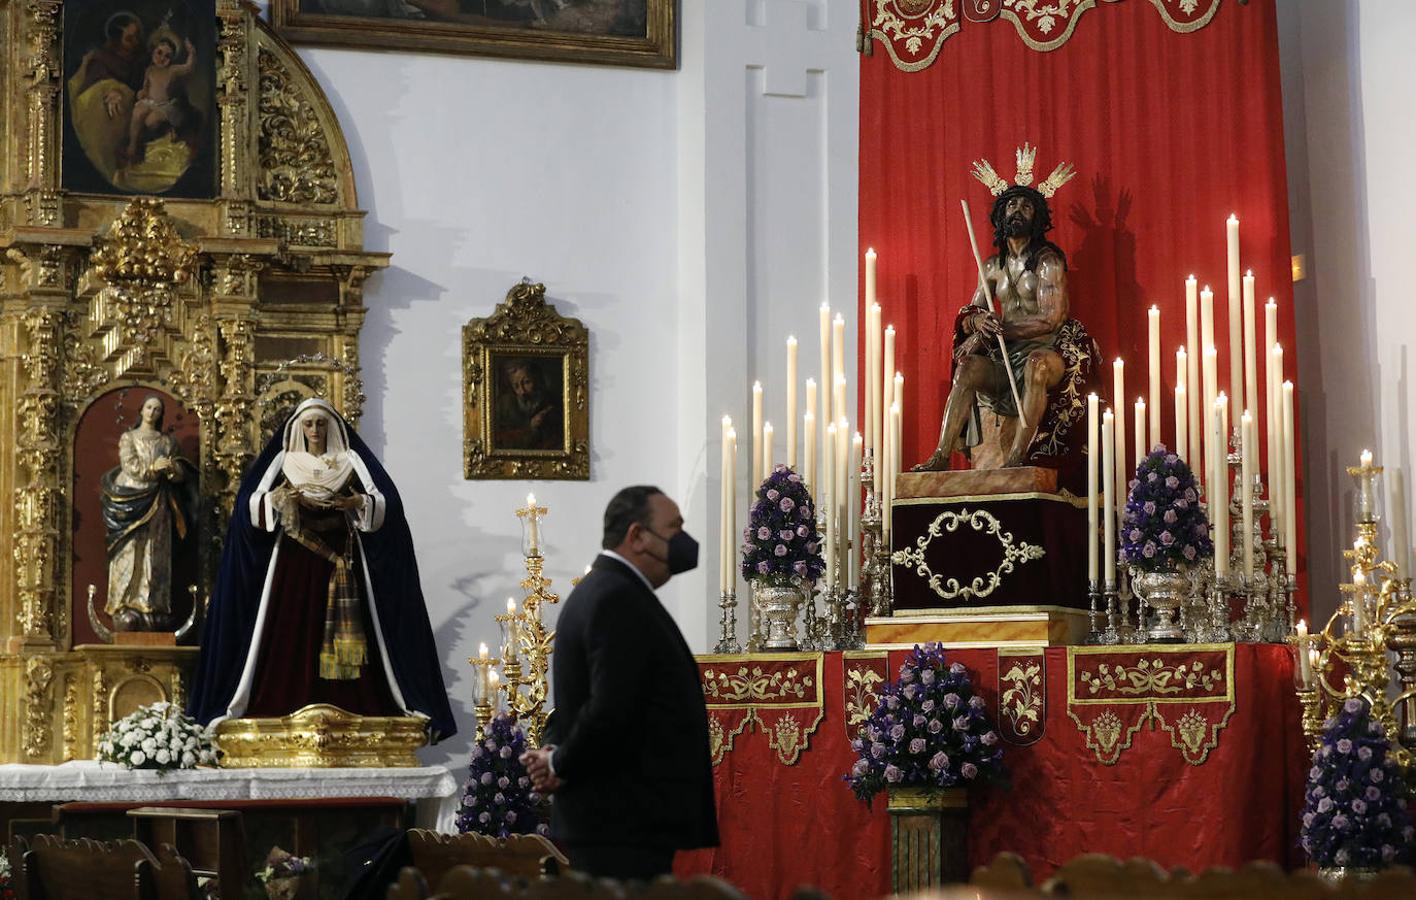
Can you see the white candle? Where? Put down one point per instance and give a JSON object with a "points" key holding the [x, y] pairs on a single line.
{"points": [[1272, 380], [1181, 418], [870, 260], [1251, 365], [1290, 497], [1359, 602], [1396, 503], [1093, 536], [872, 377], [767, 461], [756, 437], [1305, 664], [825, 413], [1246, 497], [1118, 399], [1194, 451], [725, 529], [838, 366], [896, 426], [1140, 430], [1108, 443], [792, 402], [1219, 486], [482, 654], [885, 456], [1210, 390], [512, 632], [493, 694], [853, 499], [827, 506], [1182, 381], [534, 525], [809, 435], [1153, 435], [1277, 502], [844, 501], [1236, 336], [732, 510], [888, 389]]}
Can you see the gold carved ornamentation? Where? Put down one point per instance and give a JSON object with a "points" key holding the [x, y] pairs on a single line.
{"points": [[71, 717], [98, 702], [295, 161], [525, 330], [321, 736], [1021, 701], [1014, 554], [140, 262], [38, 676]]}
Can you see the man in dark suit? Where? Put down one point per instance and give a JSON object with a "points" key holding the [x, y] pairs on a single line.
{"points": [[627, 757]]}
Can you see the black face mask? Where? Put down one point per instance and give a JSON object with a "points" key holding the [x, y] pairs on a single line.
{"points": [[683, 552]]}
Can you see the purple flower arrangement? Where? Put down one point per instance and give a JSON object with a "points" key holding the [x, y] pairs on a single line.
{"points": [[781, 543], [930, 731], [498, 799], [1355, 812], [1164, 527]]}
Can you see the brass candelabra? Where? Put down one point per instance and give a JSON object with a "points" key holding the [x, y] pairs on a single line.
{"points": [[1370, 639]]}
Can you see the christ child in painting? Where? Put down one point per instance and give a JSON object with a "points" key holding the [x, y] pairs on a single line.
{"points": [[158, 103]]}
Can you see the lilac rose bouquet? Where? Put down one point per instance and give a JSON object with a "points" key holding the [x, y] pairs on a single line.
{"points": [[498, 799], [1355, 810], [781, 543], [930, 731], [1164, 527]]}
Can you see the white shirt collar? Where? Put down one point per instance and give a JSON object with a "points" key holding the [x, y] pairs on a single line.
{"points": [[632, 567]]}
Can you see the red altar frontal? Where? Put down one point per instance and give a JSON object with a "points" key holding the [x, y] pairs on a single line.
{"points": [[1190, 755]]}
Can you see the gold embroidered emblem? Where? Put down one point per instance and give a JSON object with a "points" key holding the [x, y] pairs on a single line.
{"points": [[980, 520], [861, 696], [1022, 701]]}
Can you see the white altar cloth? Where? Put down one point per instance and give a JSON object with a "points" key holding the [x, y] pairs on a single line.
{"points": [[94, 782]]}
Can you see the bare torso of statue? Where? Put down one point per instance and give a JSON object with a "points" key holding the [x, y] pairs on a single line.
{"points": [[1028, 279]]}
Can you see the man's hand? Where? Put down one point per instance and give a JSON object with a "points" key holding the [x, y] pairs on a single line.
{"points": [[538, 766], [987, 324]]}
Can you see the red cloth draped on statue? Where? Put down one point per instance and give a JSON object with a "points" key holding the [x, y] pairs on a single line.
{"points": [[1169, 133], [788, 825]]}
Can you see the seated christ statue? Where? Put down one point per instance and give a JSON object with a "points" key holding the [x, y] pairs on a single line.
{"points": [[1049, 355]]}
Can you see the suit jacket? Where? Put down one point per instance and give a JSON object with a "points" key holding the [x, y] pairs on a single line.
{"points": [[630, 725]]}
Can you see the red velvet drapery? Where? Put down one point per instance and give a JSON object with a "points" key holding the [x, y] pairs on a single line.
{"points": [[1169, 133]]}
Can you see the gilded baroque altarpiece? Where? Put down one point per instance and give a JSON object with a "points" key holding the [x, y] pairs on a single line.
{"points": [[236, 308]]}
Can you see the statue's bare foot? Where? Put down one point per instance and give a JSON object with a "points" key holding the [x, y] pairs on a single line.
{"points": [[937, 462]]}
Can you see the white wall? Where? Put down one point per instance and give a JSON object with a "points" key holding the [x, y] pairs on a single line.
{"points": [[689, 218], [1347, 72]]}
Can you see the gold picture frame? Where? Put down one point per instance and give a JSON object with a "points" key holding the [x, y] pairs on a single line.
{"points": [[526, 391], [641, 33]]}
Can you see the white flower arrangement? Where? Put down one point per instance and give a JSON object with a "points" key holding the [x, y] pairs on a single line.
{"points": [[157, 736]]}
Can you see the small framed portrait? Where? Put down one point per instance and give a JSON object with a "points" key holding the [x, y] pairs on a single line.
{"points": [[140, 114], [609, 32], [526, 391]]}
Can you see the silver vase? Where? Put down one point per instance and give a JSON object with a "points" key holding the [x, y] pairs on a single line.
{"points": [[1164, 591], [777, 605]]}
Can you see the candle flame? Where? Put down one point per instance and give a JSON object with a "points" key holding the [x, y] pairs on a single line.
{"points": [[791, 340], [531, 500], [757, 387], [1234, 219], [869, 251], [727, 421], [511, 605], [482, 651], [1248, 273]]}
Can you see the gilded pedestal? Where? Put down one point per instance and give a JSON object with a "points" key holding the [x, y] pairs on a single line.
{"points": [[321, 736], [928, 838]]}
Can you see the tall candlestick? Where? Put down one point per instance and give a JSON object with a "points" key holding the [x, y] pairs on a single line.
{"points": [[1290, 497], [1153, 436], [725, 530], [756, 437], [1118, 399], [896, 424], [828, 504], [1251, 365], [1272, 380], [826, 382], [1140, 429], [792, 402], [1210, 389], [1305, 667], [1108, 443], [1396, 504], [1194, 451], [870, 261], [853, 504], [888, 389], [809, 436], [732, 509], [1093, 536], [1219, 486], [767, 460], [1246, 495], [872, 377], [533, 522], [1181, 417], [838, 366], [1236, 336]]}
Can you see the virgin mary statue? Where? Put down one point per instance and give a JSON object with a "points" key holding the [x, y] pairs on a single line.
{"points": [[317, 599]]}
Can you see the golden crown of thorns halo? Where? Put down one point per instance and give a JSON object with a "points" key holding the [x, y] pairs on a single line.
{"points": [[983, 171]]}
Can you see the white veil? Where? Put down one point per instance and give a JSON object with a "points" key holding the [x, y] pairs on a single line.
{"points": [[323, 476]]}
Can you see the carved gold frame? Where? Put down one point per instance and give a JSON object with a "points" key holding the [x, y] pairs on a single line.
{"points": [[656, 49], [223, 303], [525, 324]]}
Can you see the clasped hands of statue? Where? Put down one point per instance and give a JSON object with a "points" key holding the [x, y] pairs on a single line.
{"points": [[286, 495]]}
